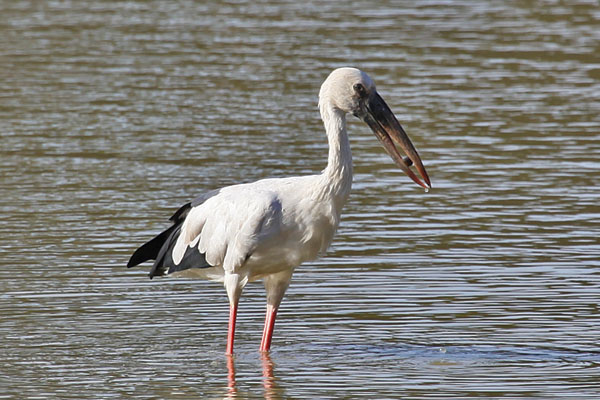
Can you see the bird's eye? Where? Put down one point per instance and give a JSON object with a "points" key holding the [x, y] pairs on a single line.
{"points": [[360, 89]]}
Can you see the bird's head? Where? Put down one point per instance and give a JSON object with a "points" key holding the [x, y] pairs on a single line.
{"points": [[352, 91]]}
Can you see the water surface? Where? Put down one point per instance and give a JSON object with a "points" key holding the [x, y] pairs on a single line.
{"points": [[112, 115]]}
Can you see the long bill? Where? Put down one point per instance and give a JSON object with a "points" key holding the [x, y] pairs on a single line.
{"points": [[388, 130]]}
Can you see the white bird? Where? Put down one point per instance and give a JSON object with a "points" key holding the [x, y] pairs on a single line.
{"points": [[265, 229]]}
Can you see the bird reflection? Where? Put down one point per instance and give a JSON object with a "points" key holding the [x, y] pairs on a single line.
{"points": [[271, 388], [231, 389], [269, 383]]}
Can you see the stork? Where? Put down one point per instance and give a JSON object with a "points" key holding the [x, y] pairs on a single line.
{"points": [[265, 229]]}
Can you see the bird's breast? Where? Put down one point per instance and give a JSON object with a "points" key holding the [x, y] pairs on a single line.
{"points": [[305, 234]]}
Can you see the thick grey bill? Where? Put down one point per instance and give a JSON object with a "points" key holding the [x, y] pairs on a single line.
{"points": [[388, 130]]}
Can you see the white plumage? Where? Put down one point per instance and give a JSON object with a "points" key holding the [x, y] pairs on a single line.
{"points": [[265, 229]]}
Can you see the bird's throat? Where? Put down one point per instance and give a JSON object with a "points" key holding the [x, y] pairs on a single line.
{"points": [[337, 176]]}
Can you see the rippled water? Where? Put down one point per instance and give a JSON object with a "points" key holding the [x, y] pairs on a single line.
{"points": [[114, 114]]}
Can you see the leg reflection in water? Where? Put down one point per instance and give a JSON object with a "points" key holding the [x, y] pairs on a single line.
{"points": [[268, 378], [271, 389], [231, 389]]}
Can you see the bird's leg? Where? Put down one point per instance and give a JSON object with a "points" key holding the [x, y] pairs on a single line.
{"points": [[265, 343], [231, 330], [234, 285], [276, 285]]}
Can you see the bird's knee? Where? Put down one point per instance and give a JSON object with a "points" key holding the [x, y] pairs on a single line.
{"points": [[276, 286], [234, 284]]}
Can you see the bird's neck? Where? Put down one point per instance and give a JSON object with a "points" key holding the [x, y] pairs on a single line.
{"points": [[337, 176]]}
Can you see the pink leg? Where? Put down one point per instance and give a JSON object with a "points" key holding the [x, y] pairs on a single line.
{"points": [[265, 343], [231, 331]]}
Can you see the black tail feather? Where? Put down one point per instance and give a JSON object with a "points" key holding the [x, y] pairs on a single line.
{"points": [[161, 247], [164, 264], [151, 249], [161, 267]]}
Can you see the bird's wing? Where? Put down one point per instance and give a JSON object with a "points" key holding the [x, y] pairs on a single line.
{"points": [[160, 247], [227, 227]]}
